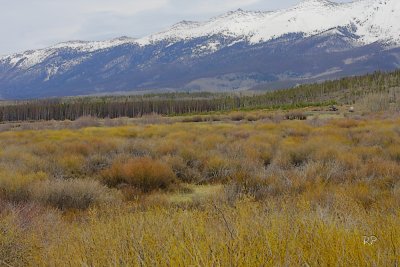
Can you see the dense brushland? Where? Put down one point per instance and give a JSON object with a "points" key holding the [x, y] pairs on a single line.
{"points": [[303, 185], [343, 91], [237, 189]]}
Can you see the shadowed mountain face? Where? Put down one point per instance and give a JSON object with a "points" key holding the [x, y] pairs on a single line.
{"points": [[186, 58]]}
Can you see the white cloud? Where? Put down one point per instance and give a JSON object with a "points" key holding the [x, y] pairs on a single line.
{"points": [[211, 6], [125, 7]]}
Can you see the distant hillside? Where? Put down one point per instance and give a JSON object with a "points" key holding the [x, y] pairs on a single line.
{"points": [[343, 91]]}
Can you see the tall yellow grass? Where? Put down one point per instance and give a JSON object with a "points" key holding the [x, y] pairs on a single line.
{"points": [[290, 193]]}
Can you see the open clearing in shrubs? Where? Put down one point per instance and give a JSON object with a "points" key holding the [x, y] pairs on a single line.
{"points": [[241, 189]]}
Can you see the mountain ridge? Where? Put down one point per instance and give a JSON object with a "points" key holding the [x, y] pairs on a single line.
{"points": [[305, 4], [191, 52]]}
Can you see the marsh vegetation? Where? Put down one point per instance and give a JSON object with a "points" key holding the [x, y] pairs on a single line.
{"points": [[234, 189]]}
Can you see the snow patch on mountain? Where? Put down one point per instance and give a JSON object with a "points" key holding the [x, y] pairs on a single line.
{"points": [[31, 58], [372, 20]]}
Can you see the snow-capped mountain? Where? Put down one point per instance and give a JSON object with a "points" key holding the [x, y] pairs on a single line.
{"points": [[371, 20], [33, 57], [316, 39]]}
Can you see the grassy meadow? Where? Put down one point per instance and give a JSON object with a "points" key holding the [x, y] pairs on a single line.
{"points": [[306, 187]]}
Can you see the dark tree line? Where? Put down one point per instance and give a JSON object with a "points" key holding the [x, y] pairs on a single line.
{"points": [[346, 90]]}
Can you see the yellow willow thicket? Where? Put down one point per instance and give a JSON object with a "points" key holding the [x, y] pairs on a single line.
{"points": [[320, 192], [277, 233]]}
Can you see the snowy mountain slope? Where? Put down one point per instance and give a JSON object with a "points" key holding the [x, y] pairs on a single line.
{"points": [[316, 39], [372, 20], [30, 58]]}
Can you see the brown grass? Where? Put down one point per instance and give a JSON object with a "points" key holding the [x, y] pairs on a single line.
{"points": [[72, 194], [143, 173], [289, 192]]}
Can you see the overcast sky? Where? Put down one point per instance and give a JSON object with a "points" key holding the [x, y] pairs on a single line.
{"points": [[41, 23]]}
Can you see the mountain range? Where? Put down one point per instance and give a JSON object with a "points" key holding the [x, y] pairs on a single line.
{"points": [[240, 50]]}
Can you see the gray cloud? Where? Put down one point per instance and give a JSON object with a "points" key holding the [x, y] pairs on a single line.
{"points": [[40, 23]]}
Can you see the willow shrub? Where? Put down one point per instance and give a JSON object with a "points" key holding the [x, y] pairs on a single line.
{"points": [[72, 193], [143, 173]]}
